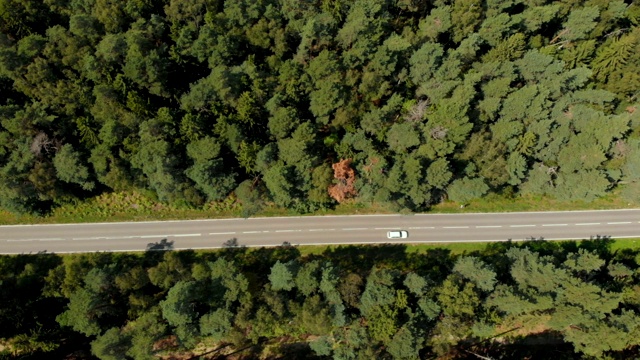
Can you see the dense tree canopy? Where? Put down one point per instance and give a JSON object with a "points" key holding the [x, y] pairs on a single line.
{"points": [[448, 98], [536, 299]]}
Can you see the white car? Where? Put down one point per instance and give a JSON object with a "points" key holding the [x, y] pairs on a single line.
{"points": [[399, 234]]}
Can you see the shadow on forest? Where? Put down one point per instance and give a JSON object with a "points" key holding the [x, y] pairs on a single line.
{"points": [[357, 257], [257, 261], [436, 262], [297, 350], [543, 345], [361, 258], [600, 244], [162, 245]]}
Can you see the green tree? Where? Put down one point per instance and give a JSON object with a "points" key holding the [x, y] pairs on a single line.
{"points": [[579, 23], [69, 167], [439, 174], [178, 310], [437, 22], [314, 316], [425, 61], [111, 345], [94, 305], [217, 324], [473, 269], [350, 289], [405, 344], [145, 63], [402, 136], [169, 271], [145, 331], [306, 280], [465, 190], [583, 185], [282, 276], [614, 55], [466, 16], [156, 159], [208, 170], [458, 299], [327, 94]]}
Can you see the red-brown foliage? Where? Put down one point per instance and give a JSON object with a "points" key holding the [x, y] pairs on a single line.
{"points": [[346, 177]]}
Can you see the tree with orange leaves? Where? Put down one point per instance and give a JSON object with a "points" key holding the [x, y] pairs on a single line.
{"points": [[346, 176]]}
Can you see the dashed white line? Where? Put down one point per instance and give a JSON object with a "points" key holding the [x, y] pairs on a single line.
{"points": [[250, 232], [619, 223], [153, 236], [105, 238], [584, 224], [488, 226], [26, 240], [384, 228], [455, 227], [223, 233], [186, 235], [351, 229], [317, 229], [521, 225], [421, 227], [287, 230], [555, 224]]}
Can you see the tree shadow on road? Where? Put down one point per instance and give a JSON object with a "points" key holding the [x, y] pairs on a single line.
{"points": [[232, 243], [162, 245]]}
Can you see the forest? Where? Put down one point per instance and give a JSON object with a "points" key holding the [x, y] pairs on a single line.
{"points": [[304, 103], [531, 300]]}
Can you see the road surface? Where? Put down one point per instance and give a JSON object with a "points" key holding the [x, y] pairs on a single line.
{"points": [[317, 230]]}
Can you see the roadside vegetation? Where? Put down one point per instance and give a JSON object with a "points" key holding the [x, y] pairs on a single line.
{"points": [[305, 105], [171, 109], [135, 206], [535, 299]]}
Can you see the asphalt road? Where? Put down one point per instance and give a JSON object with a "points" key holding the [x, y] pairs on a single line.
{"points": [[317, 230]]}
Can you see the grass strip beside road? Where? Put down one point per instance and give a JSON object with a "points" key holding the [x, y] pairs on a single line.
{"points": [[462, 248], [134, 206]]}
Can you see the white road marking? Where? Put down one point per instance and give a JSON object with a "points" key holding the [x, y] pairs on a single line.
{"points": [[384, 228], [250, 232], [315, 244], [317, 229], [423, 227], [488, 226], [26, 240], [521, 225], [127, 237], [287, 230], [583, 224], [223, 233], [134, 223], [350, 229], [105, 238], [455, 227], [619, 223], [555, 224]]}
